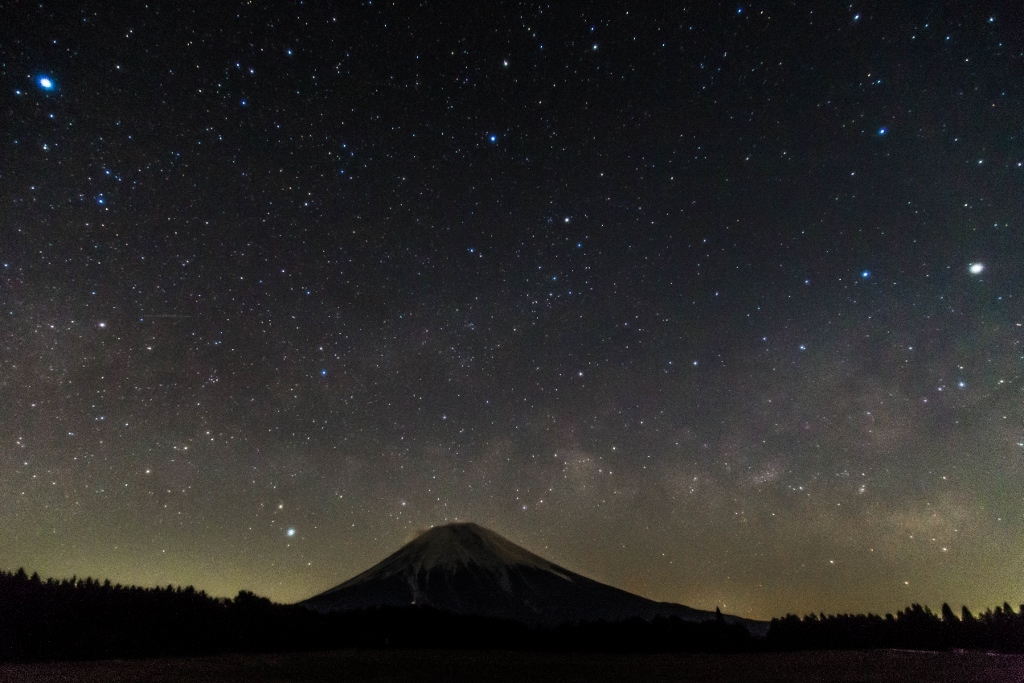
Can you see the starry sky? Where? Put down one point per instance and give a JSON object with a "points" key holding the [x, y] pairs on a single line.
{"points": [[719, 302]]}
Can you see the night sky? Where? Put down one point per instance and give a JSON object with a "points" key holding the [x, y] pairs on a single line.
{"points": [[720, 303]]}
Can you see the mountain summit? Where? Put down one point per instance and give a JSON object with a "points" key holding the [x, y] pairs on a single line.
{"points": [[467, 569]]}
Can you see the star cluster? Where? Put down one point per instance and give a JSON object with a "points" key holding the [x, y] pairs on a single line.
{"points": [[719, 303]]}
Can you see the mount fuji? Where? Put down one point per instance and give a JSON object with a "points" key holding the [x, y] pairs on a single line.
{"points": [[467, 569]]}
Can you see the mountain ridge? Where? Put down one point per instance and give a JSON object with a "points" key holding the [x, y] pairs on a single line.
{"points": [[465, 568]]}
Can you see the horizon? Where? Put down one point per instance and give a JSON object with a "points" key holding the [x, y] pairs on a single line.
{"points": [[975, 609], [718, 304]]}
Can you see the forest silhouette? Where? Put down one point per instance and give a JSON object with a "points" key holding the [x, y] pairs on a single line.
{"points": [[89, 619]]}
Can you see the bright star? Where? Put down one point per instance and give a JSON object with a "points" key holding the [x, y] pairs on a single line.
{"points": [[493, 138], [976, 268], [865, 274], [882, 131], [46, 83], [291, 532]]}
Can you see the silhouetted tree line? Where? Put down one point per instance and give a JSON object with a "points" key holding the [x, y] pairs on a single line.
{"points": [[916, 627], [661, 634], [86, 619]]}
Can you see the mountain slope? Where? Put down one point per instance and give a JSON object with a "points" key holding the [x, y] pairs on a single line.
{"points": [[467, 569]]}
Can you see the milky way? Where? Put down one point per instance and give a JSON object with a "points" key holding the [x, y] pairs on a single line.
{"points": [[719, 305]]}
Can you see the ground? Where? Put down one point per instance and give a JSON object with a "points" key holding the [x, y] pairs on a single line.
{"points": [[433, 665]]}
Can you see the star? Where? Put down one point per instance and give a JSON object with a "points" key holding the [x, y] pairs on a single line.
{"points": [[976, 268], [45, 82]]}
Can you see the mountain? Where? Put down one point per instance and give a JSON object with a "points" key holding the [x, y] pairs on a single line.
{"points": [[467, 569]]}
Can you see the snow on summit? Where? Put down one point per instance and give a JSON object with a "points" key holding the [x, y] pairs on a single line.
{"points": [[454, 545]]}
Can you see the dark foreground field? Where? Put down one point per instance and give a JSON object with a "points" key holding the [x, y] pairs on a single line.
{"points": [[433, 665]]}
